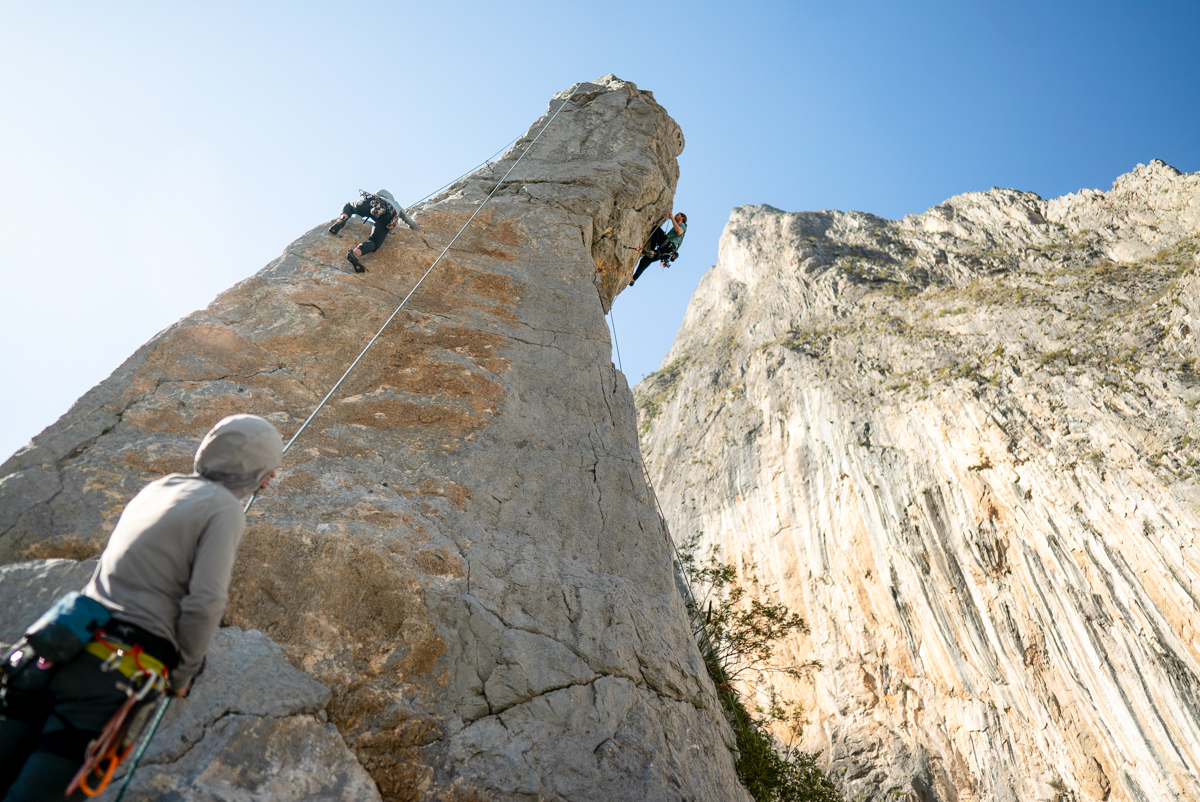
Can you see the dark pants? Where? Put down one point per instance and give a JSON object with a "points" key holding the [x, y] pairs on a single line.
{"points": [[657, 242], [379, 229], [48, 719]]}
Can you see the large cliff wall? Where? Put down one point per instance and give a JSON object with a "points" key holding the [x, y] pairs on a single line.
{"points": [[963, 445], [460, 547]]}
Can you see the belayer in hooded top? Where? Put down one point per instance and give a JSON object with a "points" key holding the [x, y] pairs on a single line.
{"points": [[384, 212], [664, 245], [164, 578]]}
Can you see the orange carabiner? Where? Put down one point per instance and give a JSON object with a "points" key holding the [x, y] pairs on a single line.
{"points": [[114, 760]]}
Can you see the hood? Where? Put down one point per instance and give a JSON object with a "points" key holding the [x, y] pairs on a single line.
{"points": [[239, 452]]}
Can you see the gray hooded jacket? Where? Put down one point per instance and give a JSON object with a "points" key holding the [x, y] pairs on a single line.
{"points": [[167, 565]]}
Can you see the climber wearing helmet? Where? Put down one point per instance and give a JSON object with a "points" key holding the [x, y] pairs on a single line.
{"points": [[663, 245], [384, 212], [146, 617]]}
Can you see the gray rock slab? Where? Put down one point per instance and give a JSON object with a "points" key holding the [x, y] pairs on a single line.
{"points": [[245, 674], [28, 589], [255, 759]]}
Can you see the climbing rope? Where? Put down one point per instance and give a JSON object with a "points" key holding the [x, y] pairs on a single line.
{"points": [[488, 160], [445, 250], [678, 560], [613, 325]]}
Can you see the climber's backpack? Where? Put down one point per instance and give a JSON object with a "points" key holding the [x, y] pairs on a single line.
{"points": [[58, 636], [381, 209], [68, 626]]}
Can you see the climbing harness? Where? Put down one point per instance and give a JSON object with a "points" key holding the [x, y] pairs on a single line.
{"points": [[665, 254], [55, 638], [416, 286], [146, 675], [132, 661]]}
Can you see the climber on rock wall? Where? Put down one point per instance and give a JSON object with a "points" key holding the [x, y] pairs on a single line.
{"points": [[153, 604], [663, 245], [384, 212]]}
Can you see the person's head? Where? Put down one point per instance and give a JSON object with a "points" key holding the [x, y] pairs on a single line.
{"points": [[240, 452], [681, 218], [383, 193]]}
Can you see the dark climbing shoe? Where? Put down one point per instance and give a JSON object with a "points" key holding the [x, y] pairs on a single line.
{"points": [[358, 266], [631, 284], [337, 226]]}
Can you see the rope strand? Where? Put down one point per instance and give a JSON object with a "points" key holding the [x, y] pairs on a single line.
{"points": [[488, 160], [612, 322]]}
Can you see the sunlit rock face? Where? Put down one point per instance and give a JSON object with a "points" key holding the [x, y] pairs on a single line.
{"points": [[461, 546], [964, 446]]}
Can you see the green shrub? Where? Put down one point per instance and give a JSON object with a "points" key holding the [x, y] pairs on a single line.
{"points": [[736, 630]]}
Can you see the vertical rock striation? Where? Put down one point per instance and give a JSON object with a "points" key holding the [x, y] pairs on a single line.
{"points": [[963, 445], [461, 546]]}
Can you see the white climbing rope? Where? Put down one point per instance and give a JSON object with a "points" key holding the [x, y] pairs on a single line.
{"points": [[445, 250], [488, 160], [612, 322]]}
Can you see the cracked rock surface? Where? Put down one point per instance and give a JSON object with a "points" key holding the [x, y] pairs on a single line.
{"points": [[963, 446], [461, 547]]}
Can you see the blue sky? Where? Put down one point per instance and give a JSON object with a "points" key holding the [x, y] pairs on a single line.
{"points": [[152, 155]]}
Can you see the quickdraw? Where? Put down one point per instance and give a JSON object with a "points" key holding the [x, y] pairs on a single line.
{"points": [[146, 675]]}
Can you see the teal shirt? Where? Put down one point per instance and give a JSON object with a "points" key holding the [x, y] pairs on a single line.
{"points": [[676, 239]]}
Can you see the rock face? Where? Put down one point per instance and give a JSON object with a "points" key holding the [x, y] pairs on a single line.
{"points": [[461, 546], [962, 445]]}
